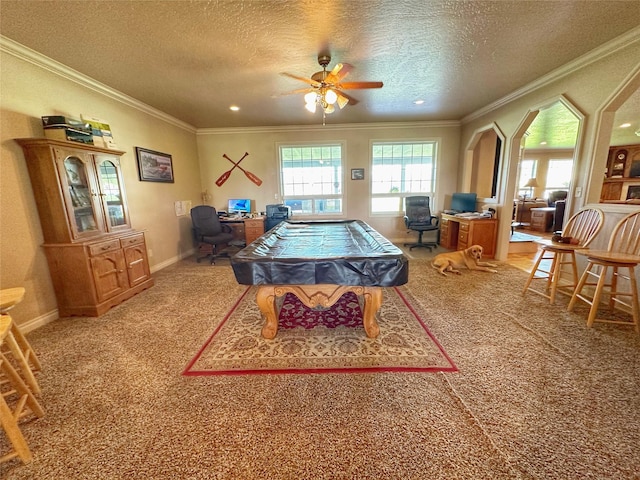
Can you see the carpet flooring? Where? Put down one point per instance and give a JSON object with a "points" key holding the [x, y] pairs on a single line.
{"points": [[321, 341], [537, 394]]}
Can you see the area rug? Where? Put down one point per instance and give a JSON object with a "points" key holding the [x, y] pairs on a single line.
{"points": [[522, 237], [322, 341]]}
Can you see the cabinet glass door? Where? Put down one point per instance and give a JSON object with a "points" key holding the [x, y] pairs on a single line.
{"points": [[111, 192], [79, 187]]}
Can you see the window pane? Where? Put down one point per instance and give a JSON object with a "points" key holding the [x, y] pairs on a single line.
{"points": [[402, 168], [559, 174], [527, 171], [386, 204], [310, 174]]}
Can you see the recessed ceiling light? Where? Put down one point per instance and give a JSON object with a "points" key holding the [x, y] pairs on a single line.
{"points": [[543, 143], [235, 108], [418, 102], [625, 125]]}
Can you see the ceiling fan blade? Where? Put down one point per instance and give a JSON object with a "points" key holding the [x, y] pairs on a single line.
{"points": [[302, 79], [337, 74], [358, 85], [294, 92]]}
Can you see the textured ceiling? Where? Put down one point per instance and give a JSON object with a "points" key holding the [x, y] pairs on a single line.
{"points": [[193, 59]]}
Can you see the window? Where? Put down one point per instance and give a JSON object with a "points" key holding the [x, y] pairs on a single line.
{"points": [[558, 175], [527, 171], [311, 178], [400, 170]]}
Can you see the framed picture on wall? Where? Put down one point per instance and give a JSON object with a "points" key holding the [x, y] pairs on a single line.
{"points": [[357, 174], [154, 166]]}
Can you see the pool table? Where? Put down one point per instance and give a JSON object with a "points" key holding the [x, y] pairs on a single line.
{"points": [[318, 262]]}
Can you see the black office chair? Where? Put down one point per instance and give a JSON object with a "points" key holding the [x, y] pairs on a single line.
{"points": [[556, 196], [418, 218], [208, 232], [276, 214]]}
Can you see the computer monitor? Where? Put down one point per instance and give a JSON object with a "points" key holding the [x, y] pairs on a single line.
{"points": [[463, 202], [239, 205]]}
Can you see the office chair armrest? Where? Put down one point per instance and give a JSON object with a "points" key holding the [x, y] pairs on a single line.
{"points": [[226, 228], [406, 221], [437, 220]]}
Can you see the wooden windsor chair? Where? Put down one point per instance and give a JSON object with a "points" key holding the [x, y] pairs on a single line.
{"points": [[23, 353], [13, 387], [581, 228], [609, 267]]}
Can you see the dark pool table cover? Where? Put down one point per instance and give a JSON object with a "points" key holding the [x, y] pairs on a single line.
{"points": [[347, 252]]}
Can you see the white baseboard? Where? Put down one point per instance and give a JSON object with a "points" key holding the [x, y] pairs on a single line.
{"points": [[172, 260], [39, 321]]}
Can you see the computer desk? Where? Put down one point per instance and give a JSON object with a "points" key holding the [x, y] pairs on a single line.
{"points": [[459, 233], [245, 229]]}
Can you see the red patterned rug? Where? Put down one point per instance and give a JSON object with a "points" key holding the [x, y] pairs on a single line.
{"points": [[322, 341]]}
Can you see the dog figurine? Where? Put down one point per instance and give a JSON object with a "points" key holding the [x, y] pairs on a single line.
{"points": [[469, 257]]}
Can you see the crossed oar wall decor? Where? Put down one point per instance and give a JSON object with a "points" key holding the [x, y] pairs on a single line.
{"points": [[223, 178]]}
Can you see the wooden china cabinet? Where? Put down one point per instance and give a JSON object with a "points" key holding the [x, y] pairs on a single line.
{"points": [[95, 259], [623, 171]]}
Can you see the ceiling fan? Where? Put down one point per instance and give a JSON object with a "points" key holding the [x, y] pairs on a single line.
{"points": [[326, 87]]}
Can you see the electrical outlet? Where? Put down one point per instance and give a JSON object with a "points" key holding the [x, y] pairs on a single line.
{"points": [[578, 192]]}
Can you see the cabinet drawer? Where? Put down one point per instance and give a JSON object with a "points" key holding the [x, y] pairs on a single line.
{"points": [[254, 223], [464, 226], [103, 247], [257, 230], [463, 237], [132, 240]]}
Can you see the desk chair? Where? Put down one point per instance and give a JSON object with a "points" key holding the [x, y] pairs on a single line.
{"points": [[418, 218], [208, 232], [582, 228], [623, 253], [276, 213]]}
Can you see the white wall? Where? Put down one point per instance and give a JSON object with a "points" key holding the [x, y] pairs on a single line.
{"points": [[262, 145]]}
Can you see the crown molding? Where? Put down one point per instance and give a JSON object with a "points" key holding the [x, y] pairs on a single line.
{"points": [[28, 55], [321, 128], [588, 58]]}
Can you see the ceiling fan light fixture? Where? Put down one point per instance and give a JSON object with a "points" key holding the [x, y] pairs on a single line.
{"points": [[311, 106], [342, 101], [310, 97], [328, 108], [330, 96]]}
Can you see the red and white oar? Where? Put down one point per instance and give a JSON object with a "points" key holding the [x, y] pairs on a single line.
{"points": [[223, 178]]}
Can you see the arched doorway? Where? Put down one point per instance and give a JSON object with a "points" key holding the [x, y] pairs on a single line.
{"points": [[549, 132]]}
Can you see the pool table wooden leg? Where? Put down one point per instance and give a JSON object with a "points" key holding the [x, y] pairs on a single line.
{"points": [[372, 303], [266, 300]]}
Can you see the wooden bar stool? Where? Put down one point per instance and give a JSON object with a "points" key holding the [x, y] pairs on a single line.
{"points": [[581, 228], [26, 403], [9, 297], [609, 267]]}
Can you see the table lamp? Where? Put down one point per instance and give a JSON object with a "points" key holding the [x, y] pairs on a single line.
{"points": [[531, 184]]}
